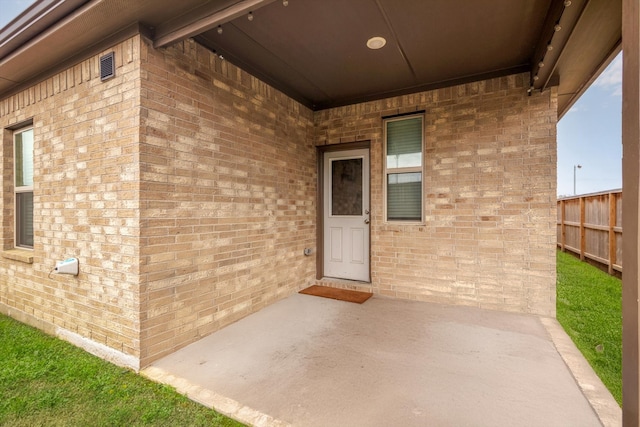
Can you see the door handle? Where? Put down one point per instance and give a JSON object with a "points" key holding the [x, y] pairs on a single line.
{"points": [[366, 220]]}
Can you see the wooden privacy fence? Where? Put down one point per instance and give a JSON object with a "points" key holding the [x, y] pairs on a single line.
{"points": [[591, 226]]}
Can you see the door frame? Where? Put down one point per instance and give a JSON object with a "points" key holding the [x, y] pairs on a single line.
{"points": [[320, 150]]}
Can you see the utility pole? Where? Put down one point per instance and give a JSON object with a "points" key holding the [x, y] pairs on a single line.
{"points": [[574, 177]]}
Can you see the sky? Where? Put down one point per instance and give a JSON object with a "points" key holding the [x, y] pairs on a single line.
{"points": [[9, 9], [589, 134]]}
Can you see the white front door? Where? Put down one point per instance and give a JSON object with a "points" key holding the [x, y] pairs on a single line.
{"points": [[346, 214]]}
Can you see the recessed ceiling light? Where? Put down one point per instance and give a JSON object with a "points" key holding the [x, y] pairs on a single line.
{"points": [[376, 42]]}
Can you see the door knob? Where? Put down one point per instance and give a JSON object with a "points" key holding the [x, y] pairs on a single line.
{"points": [[366, 221]]}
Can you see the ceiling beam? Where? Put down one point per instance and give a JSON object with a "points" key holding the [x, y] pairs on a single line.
{"points": [[186, 27], [561, 20]]}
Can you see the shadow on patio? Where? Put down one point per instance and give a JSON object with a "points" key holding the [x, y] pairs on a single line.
{"points": [[312, 361]]}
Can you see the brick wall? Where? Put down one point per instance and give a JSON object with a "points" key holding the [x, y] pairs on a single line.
{"points": [[85, 204], [490, 190], [187, 190], [228, 187], [184, 186]]}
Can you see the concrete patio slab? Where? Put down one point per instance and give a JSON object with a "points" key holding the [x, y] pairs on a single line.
{"points": [[310, 361]]}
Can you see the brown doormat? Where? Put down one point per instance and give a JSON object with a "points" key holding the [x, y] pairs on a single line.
{"points": [[335, 293]]}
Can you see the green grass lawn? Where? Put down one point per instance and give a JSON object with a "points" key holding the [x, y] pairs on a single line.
{"points": [[589, 307], [48, 382]]}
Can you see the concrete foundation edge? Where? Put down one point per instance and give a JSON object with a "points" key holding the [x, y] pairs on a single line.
{"points": [[224, 405], [601, 400]]}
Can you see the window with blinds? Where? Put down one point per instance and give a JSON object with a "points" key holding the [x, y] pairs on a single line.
{"points": [[403, 168], [23, 186]]}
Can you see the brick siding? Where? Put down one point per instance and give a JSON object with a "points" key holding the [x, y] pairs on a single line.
{"points": [[85, 202], [489, 195], [187, 190], [228, 187]]}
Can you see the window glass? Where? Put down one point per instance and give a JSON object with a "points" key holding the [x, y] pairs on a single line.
{"points": [[404, 196], [346, 187], [403, 168], [23, 187], [404, 143], [24, 158], [24, 209]]}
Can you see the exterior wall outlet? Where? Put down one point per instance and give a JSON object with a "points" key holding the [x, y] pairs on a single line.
{"points": [[68, 266]]}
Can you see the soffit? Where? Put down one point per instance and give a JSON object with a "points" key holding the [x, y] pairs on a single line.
{"points": [[315, 51]]}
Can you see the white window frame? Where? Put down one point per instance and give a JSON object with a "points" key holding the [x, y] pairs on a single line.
{"points": [[19, 190], [387, 171]]}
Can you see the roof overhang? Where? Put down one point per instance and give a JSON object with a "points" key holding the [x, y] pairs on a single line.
{"points": [[316, 51]]}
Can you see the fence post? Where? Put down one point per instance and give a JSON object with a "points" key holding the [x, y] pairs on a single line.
{"points": [[583, 234], [612, 232], [563, 227]]}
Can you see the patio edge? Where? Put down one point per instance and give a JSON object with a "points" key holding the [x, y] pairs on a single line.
{"points": [[224, 405], [599, 397]]}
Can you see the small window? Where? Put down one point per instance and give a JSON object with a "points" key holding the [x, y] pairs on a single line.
{"points": [[23, 187], [403, 168]]}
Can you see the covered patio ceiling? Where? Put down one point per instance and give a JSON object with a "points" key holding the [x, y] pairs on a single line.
{"points": [[316, 52]]}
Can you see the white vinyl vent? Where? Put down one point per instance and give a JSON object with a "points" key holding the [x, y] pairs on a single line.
{"points": [[107, 66]]}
